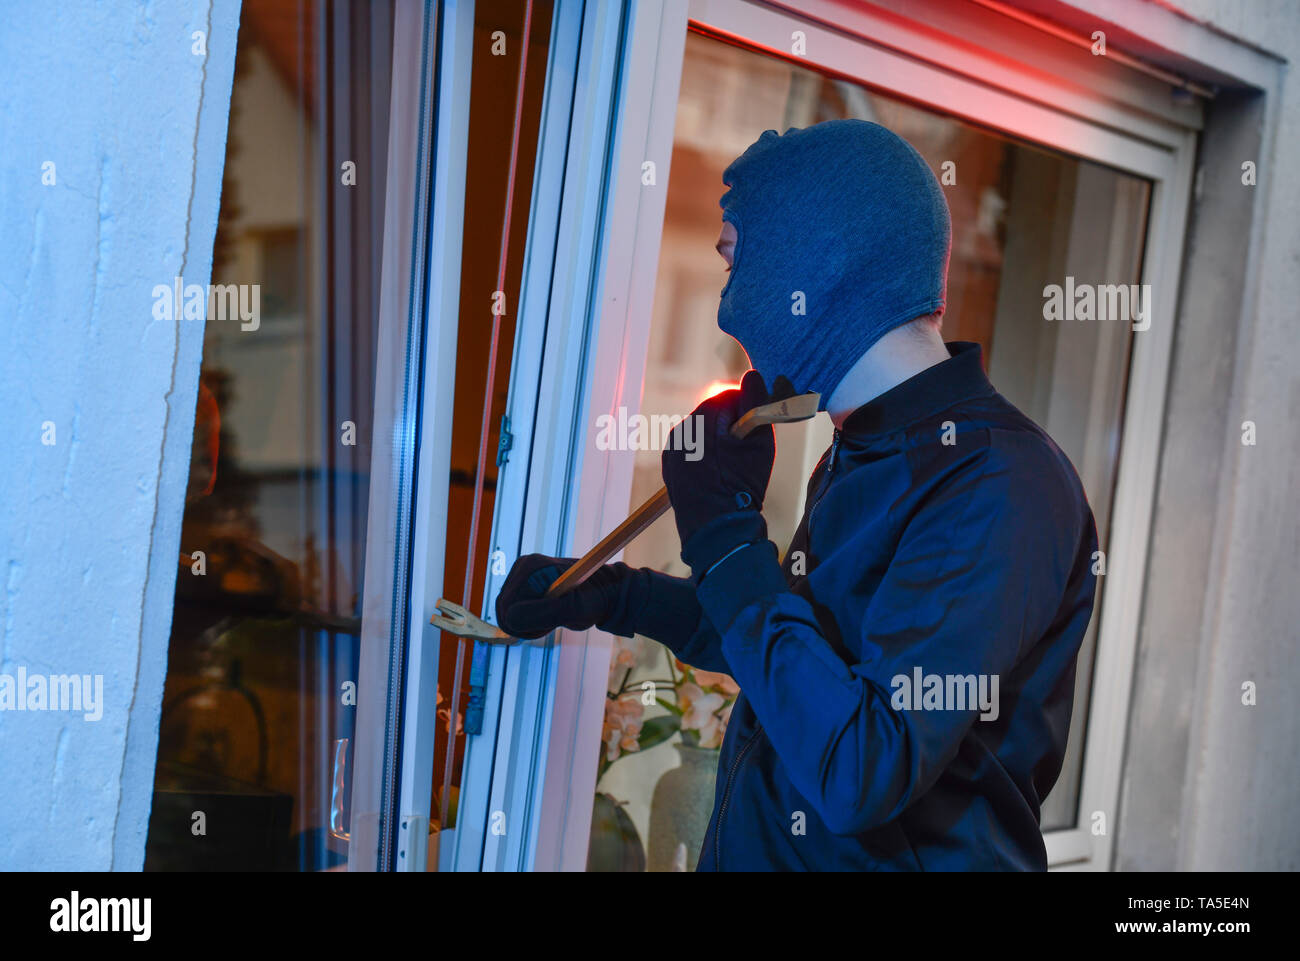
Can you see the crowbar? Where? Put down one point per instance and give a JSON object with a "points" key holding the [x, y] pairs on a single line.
{"points": [[454, 619]]}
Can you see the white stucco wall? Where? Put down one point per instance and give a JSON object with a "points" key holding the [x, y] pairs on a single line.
{"points": [[134, 122], [1210, 782], [1240, 810]]}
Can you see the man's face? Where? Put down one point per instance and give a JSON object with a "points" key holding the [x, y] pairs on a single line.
{"points": [[727, 242]]}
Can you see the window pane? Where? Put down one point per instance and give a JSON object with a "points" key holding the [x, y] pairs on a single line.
{"points": [[1022, 217], [264, 639], [493, 93]]}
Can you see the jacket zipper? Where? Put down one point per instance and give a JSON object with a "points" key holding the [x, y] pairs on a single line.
{"points": [[830, 469], [726, 796], [740, 755]]}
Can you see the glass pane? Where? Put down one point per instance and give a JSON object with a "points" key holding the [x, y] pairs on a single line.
{"points": [[489, 206], [262, 659], [1022, 217]]}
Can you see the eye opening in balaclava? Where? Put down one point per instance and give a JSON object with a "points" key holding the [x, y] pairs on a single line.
{"points": [[734, 219], [845, 219]]}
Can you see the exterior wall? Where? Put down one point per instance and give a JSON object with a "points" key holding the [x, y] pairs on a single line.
{"points": [[1211, 783], [1246, 774], [135, 124]]}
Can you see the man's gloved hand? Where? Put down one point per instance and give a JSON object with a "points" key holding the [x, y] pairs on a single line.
{"points": [[728, 481], [524, 610]]}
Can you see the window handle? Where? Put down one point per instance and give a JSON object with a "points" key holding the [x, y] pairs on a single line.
{"points": [[336, 791]]}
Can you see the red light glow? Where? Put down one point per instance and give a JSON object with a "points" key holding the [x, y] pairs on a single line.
{"points": [[715, 388]]}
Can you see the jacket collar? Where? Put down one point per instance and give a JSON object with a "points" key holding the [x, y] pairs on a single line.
{"points": [[934, 389]]}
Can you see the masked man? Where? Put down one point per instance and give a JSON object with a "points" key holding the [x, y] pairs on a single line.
{"points": [[907, 673]]}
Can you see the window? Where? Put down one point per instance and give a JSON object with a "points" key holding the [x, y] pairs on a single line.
{"points": [[274, 648], [261, 675], [492, 251], [1044, 135]]}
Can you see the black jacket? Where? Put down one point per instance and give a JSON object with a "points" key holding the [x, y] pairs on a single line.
{"points": [[946, 552]]}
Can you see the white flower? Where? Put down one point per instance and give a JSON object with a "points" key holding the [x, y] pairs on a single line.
{"points": [[626, 656], [699, 713], [715, 679], [622, 727]]}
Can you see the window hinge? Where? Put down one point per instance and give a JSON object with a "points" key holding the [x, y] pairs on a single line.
{"points": [[505, 442], [413, 844]]}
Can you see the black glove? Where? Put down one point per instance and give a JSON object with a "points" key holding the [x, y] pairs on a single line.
{"points": [[730, 476], [524, 610]]}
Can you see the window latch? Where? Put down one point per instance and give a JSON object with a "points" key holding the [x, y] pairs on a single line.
{"points": [[505, 441]]}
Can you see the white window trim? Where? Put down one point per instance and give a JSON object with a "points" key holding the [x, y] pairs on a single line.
{"points": [[1115, 116], [398, 469], [554, 492]]}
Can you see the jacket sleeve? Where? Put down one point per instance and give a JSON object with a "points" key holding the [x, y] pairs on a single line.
{"points": [[666, 609], [978, 576]]}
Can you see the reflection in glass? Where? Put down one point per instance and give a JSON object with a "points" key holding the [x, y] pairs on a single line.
{"points": [[261, 666]]}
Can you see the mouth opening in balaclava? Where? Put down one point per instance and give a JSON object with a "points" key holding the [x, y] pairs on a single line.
{"points": [[843, 235]]}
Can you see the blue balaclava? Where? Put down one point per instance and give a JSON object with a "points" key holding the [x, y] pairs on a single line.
{"points": [[846, 214]]}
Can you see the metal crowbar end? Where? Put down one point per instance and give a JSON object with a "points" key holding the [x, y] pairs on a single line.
{"points": [[451, 617]]}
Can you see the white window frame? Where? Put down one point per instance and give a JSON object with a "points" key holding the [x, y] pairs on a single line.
{"points": [[424, 176], [965, 60], [514, 811]]}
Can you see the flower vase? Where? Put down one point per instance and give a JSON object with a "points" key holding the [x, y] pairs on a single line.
{"points": [[615, 844], [680, 809]]}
